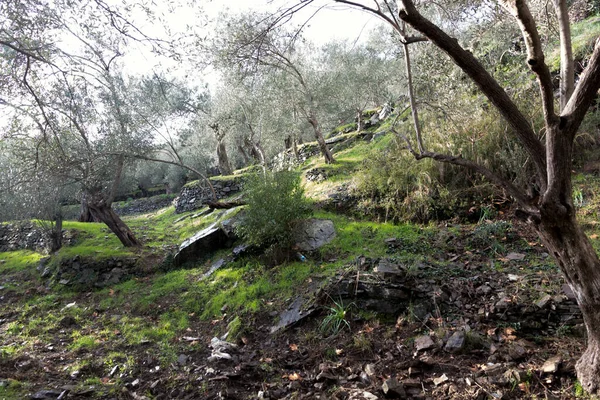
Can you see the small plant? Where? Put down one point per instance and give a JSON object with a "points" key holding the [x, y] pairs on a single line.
{"points": [[336, 320], [578, 198], [275, 201]]}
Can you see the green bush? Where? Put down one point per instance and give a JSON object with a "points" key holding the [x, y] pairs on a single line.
{"points": [[275, 201]]}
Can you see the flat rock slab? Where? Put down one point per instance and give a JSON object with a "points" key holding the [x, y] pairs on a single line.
{"points": [[203, 242], [296, 312], [312, 234]]}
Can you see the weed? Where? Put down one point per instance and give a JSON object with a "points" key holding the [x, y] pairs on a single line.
{"points": [[362, 343], [336, 320]]}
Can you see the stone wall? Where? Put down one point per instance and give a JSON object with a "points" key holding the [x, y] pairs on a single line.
{"points": [[87, 272], [20, 236], [194, 194]]}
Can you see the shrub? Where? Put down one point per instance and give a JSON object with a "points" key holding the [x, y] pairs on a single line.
{"points": [[275, 201]]}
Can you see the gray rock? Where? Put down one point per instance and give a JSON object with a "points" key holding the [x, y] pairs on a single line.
{"points": [[456, 342], [551, 365], [202, 243], [312, 234], [424, 343], [389, 270], [392, 388]]}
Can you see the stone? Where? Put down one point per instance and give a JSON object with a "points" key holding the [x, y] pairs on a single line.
{"points": [[46, 394], [515, 256], [182, 359], [389, 270], [516, 351], [484, 290], [361, 395], [392, 388], [551, 365], [312, 234], [370, 369], [424, 343], [441, 379], [296, 312], [541, 303], [456, 342], [207, 240]]}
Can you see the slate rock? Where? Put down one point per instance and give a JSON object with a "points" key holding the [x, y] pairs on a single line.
{"points": [[312, 234], [551, 365], [456, 342], [392, 388], [423, 343], [207, 240]]}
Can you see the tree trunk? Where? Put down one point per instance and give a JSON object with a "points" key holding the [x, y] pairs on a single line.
{"points": [[566, 241], [223, 159], [101, 212], [56, 232], [359, 120], [312, 119], [244, 154]]}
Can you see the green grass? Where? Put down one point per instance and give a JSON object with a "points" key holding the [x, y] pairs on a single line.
{"points": [[14, 261], [583, 37]]}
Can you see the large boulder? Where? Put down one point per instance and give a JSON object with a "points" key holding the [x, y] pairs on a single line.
{"points": [[312, 234]]}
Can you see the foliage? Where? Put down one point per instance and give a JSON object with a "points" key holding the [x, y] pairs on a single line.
{"points": [[335, 320], [275, 201]]}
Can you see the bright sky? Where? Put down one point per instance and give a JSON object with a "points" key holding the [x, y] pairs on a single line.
{"points": [[327, 22]]}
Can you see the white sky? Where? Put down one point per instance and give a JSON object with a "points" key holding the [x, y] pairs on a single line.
{"points": [[332, 22]]}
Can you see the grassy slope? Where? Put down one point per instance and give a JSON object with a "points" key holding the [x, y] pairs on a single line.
{"points": [[90, 333]]}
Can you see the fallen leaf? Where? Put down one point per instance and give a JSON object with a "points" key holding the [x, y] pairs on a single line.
{"points": [[111, 292], [339, 351], [594, 236], [293, 347], [294, 377]]}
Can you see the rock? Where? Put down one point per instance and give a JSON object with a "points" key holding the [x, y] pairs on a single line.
{"points": [[392, 388], [424, 343], [551, 365], [358, 394], [182, 359], [456, 342], [215, 266], [541, 303], [202, 243], [516, 351], [46, 394], [296, 312], [389, 270], [370, 369], [484, 290], [515, 256], [312, 234], [439, 380]]}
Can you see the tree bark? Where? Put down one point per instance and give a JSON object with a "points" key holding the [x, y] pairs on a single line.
{"points": [[56, 232], [223, 159], [312, 119], [571, 248], [103, 213]]}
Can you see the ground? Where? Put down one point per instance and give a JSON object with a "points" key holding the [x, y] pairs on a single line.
{"points": [[445, 310], [149, 337]]}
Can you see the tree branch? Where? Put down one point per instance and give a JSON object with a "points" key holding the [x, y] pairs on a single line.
{"points": [[567, 69], [535, 54], [486, 83], [585, 92]]}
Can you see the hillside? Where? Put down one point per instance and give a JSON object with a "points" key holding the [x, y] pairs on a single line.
{"points": [[445, 309]]}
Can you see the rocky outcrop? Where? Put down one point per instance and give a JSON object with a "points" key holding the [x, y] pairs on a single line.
{"points": [[219, 235], [87, 272], [194, 194]]}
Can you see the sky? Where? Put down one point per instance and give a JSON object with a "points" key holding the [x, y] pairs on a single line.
{"points": [[331, 22]]}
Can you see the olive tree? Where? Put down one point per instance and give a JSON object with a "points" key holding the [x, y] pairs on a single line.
{"points": [[549, 208]]}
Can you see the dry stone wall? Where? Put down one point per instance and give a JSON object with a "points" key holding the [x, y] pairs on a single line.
{"points": [[195, 194]]}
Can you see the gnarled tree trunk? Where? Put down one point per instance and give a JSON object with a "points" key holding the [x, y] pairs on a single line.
{"points": [[312, 119], [577, 259], [103, 213]]}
